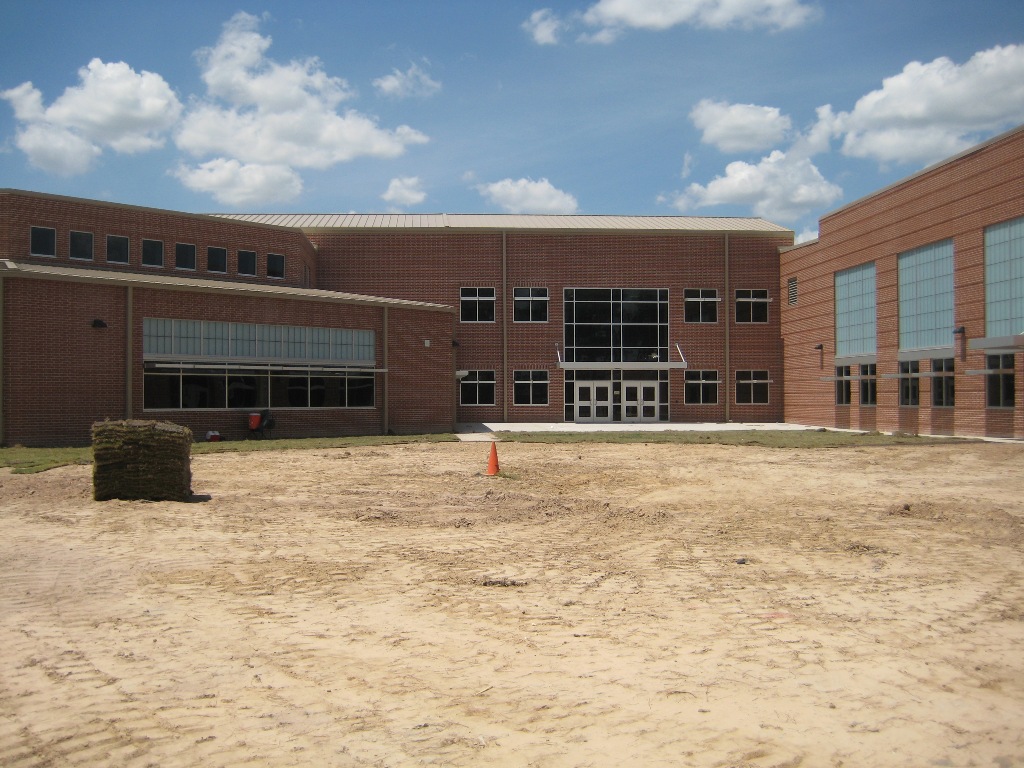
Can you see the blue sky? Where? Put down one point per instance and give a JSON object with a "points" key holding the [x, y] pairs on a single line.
{"points": [[785, 109]]}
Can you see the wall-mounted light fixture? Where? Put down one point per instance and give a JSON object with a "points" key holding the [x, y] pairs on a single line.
{"points": [[97, 323], [819, 347], [959, 329]]}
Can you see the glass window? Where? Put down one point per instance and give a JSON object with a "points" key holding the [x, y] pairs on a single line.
{"points": [[700, 305], [910, 382], [752, 387], [843, 385], [117, 249], [752, 305], [926, 296], [184, 256], [216, 259], [153, 253], [855, 310], [530, 305], [869, 384], [43, 241], [477, 388], [275, 265], [81, 245], [1000, 381], [530, 387], [943, 393], [1004, 278], [247, 262], [700, 387], [616, 325], [476, 305]]}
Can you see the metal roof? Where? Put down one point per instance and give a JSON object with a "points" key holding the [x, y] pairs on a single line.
{"points": [[173, 282], [497, 221]]}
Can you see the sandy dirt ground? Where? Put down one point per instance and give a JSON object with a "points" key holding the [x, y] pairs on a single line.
{"points": [[593, 606]]}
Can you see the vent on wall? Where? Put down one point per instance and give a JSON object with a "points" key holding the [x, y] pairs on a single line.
{"points": [[791, 290]]}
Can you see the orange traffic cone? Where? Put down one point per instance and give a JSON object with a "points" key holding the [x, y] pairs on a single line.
{"points": [[492, 462]]}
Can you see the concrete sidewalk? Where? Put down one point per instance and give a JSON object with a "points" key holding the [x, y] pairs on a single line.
{"points": [[485, 431]]}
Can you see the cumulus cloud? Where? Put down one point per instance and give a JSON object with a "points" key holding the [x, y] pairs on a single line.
{"points": [[413, 82], [113, 107], [544, 27], [528, 196], [930, 111], [262, 119], [739, 127], [405, 190], [781, 187], [806, 235]]}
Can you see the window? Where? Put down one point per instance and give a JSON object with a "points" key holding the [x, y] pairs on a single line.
{"points": [[1004, 278], [152, 253], [791, 291], [216, 259], [43, 241], [1000, 384], [855, 310], [611, 325], [477, 388], [869, 384], [910, 382], [530, 387], [700, 305], [752, 305], [843, 385], [752, 387], [700, 387], [926, 296], [476, 305], [943, 383], [81, 246], [530, 305], [184, 256], [117, 249], [247, 262], [275, 265]]}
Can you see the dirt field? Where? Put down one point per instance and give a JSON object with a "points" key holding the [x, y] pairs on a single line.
{"points": [[595, 606]]}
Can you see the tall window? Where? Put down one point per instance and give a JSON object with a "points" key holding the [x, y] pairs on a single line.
{"points": [[530, 305], [869, 384], [152, 253], [530, 387], [43, 241], [476, 305], [926, 296], [700, 305], [477, 388], [752, 387], [843, 389], [910, 382], [1000, 381], [943, 392], [855, 310], [1004, 278], [117, 249], [81, 246], [611, 325], [247, 262], [700, 387], [752, 305], [216, 259], [184, 256]]}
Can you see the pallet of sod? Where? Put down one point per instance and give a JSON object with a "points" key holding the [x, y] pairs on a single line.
{"points": [[141, 460]]}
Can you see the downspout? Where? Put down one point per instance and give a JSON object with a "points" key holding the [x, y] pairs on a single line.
{"points": [[128, 352], [504, 328], [386, 416], [728, 322]]}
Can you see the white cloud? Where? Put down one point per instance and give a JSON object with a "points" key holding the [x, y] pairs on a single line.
{"points": [[739, 127], [930, 111], [781, 187], [405, 190], [113, 107], [806, 235], [413, 82], [237, 184], [528, 196], [544, 27], [687, 166], [262, 120]]}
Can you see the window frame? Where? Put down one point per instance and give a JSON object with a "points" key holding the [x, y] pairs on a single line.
{"points": [[752, 306], [32, 241], [909, 383], [152, 265], [247, 254], [943, 382], [696, 380], [1004, 379], [476, 381], [751, 379], [869, 384], [183, 248], [844, 390], [272, 259], [532, 301], [473, 297], [535, 381], [127, 249], [704, 304], [72, 248], [209, 261]]}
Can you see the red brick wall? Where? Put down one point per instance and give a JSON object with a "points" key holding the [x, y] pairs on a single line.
{"points": [[23, 210], [956, 200]]}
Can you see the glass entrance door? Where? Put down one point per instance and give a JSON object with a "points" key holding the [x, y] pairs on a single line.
{"points": [[593, 401], [639, 401]]}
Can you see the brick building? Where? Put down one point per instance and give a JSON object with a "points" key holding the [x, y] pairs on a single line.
{"points": [[369, 324], [907, 313]]}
